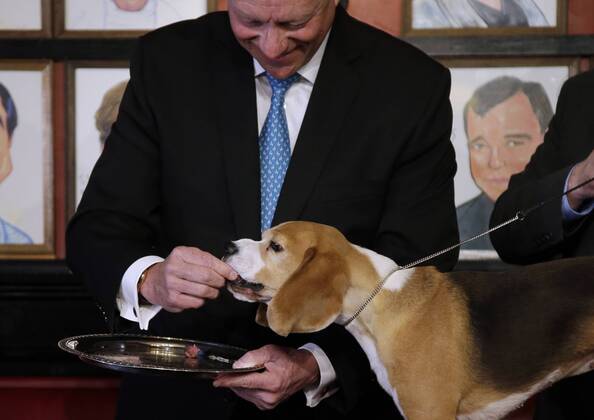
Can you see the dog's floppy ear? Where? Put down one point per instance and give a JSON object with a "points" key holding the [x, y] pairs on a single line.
{"points": [[311, 298]]}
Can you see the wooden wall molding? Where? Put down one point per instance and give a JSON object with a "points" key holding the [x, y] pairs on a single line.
{"points": [[492, 46]]}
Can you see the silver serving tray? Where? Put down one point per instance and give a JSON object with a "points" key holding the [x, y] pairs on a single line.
{"points": [[154, 355]]}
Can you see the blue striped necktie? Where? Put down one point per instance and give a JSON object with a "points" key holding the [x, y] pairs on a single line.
{"points": [[275, 149]]}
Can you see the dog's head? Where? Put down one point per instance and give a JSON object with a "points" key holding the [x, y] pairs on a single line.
{"points": [[298, 270]]}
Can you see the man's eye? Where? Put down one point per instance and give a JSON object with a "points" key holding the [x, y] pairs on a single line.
{"points": [[254, 23], [478, 146], [515, 143], [275, 247], [293, 26]]}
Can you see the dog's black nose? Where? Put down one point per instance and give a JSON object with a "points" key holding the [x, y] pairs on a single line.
{"points": [[230, 249]]}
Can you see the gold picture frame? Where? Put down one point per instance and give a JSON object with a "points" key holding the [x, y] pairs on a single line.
{"points": [[491, 89], [27, 192], [98, 28], [462, 18], [90, 85], [45, 31]]}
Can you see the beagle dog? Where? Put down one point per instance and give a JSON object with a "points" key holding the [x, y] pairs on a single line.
{"points": [[466, 345]]}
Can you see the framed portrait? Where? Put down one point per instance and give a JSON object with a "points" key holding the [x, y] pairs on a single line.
{"points": [[484, 17], [501, 112], [26, 160], [31, 18], [123, 18], [95, 91]]}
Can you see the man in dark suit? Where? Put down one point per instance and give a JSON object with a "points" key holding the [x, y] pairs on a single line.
{"points": [[182, 171], [563, 228]]}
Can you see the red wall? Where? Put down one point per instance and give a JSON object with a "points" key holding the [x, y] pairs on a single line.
{"points": [[580, 17]]}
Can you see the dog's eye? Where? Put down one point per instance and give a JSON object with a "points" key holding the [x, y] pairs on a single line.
{"points": [[275, 247]]}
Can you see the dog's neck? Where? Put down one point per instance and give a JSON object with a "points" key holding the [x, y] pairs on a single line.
{"points": [[366, 271], [398, 293]]}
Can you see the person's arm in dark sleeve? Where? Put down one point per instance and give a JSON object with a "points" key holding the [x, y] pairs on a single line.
{"points": [[117, 219]]}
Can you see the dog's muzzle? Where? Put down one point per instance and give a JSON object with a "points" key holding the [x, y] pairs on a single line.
{"points": [[241, 283]]}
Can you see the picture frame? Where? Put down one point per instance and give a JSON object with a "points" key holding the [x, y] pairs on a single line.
{"points": [[90, 86], [32, 19], [501, 110], [27, 190], [105, 18], [476, 18]]}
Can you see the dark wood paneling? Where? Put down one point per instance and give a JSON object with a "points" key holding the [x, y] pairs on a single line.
{"points": [[119, 49], [41, 302], [59, 134], [67, 49]]}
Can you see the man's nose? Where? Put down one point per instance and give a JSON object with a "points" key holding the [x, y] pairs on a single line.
{"points": [[272, 43], [230, 249], [495, 159]]}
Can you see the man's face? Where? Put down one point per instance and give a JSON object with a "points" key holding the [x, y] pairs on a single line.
{"points": [[501, 143], [130, 5], [5, 161], [282, 35]]}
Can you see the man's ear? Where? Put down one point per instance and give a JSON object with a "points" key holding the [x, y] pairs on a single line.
{"points": [[312, 297]]}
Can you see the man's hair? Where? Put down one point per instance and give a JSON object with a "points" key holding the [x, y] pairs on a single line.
{"points": [[502, 88], [9, 106]]}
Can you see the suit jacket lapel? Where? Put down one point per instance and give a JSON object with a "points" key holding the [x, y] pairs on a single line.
{"points": [[232, 74], [335, 89]]}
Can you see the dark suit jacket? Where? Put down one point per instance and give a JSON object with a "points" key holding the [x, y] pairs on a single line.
{"points": [[181, 167], [543, 235]]}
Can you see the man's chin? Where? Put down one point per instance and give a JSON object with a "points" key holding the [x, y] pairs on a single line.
{"points": [[281, 72], [283, 68]]}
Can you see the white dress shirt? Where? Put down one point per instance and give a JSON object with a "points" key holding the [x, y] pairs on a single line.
{"points": [[296, 100]]}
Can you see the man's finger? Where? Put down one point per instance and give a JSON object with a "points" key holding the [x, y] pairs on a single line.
{"points": [[249, 381], [257, 357], [200, 274], [198, 290], [198, 257]]}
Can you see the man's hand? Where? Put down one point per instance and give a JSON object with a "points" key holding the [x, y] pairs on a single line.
{"points": [[185, 279], [582, 172], [287, 372]]}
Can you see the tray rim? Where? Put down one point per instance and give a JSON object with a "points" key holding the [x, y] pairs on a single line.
{"points": [[128, 367]]}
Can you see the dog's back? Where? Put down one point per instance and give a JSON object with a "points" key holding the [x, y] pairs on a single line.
{"points": [[530, 324]]}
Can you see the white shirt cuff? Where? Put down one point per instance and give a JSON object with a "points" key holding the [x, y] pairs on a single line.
{"points": [[327, 385], [127, 297], [569, 214]]}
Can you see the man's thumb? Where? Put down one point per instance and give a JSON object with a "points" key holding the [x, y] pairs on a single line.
{"points": [[251, 359]]}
